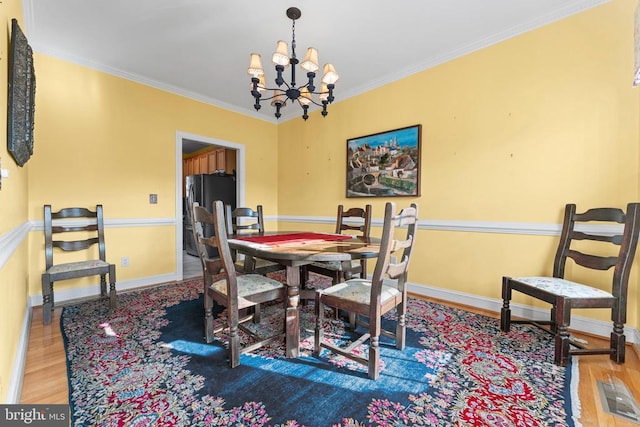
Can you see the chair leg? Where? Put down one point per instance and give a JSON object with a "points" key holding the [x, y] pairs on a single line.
{"points": [[256, 313], [617, 343], [234, 346], [363, 266], [353, 318], [103, 285], [319, 326], [47, 299], [208, 318], [374, 357], [401, 327], [505, 312], [552, 317], [563, 341], [113, 297], [304, 276]]}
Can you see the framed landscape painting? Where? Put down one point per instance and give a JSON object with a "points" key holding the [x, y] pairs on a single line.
{"points": [[385, 164]]}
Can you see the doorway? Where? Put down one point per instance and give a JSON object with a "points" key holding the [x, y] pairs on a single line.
{"points": [[186, 142]]}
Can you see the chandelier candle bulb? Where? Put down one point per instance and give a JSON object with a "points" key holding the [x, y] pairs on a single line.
{"points": [[284, 92]]}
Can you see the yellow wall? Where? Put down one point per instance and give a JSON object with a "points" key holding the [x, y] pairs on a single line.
{"points": [[103, 139], [13, 215], [510, 134]]}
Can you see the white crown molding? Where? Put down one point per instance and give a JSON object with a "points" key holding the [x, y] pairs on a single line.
{"points": [[571, 8], [137, 78], [567, 10]]}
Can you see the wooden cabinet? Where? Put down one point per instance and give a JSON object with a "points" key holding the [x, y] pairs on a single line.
{"points": [[203, 165], [216, 160], [208, 162], [211, 159], [221, 157]]}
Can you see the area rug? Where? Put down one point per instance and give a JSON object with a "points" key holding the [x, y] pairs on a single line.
{"points": [[146, 364]]}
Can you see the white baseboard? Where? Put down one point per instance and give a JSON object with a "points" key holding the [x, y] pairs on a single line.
{"points": [[19, 362], [578, 323], [94, 290]]}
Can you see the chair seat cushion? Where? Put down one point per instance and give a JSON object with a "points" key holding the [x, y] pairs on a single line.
{"points": [[77, 266], [562, 287], [335, 265], [249, 284], [359, 291]]}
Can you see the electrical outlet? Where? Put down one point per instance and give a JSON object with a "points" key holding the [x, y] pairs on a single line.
{"points": [[124, 261]]}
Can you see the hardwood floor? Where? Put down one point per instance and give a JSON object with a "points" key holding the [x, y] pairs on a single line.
{"points": [[45, 378]]}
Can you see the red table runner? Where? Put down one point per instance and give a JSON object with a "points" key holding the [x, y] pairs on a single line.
{"points": [[294, 238]]}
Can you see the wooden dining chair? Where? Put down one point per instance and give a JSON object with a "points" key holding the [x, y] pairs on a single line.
{"points": [[235, 292], [85, 230], [340, 271], [246, 220], [373, 298], [589, 250]]}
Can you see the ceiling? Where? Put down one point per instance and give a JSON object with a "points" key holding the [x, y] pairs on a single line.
{"points": [[200, 48]]}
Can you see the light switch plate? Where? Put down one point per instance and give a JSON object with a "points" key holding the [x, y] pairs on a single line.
{"points": [[153, 199]]}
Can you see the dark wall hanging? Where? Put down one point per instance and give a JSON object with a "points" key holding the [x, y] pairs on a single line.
{"points": [[22, 91]]}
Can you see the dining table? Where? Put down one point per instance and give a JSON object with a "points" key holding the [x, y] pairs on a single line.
{"points": [[294, 249]]}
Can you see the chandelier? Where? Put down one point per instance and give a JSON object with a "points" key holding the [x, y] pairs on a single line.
{"points": [[282, 94]]}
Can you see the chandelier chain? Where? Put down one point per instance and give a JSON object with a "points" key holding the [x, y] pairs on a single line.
{"points": [[293, 39]]}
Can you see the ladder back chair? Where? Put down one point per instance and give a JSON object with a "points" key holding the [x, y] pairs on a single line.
{"points": [[235, 292], [243, 220], [565, 295], [344, 270], [373, 298], [83, 229]]}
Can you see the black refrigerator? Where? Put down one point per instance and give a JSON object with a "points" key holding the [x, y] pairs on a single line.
{"points": [[205, 189]]}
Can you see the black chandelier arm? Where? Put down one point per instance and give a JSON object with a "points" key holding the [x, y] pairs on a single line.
{"points": [[324, 109], [278, 106], [279, 79], [311, 75]]}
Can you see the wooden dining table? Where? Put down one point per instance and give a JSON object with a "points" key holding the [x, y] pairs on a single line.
{"points": [[294, 249]]}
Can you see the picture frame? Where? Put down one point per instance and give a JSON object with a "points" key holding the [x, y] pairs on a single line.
{"points": [[21, 97], [385, 164]]}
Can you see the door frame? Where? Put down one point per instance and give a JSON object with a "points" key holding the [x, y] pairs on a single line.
{"points": [[240, 183]]}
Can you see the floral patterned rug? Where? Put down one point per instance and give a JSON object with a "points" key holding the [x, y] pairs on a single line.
{"points": [[146, 364]]}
